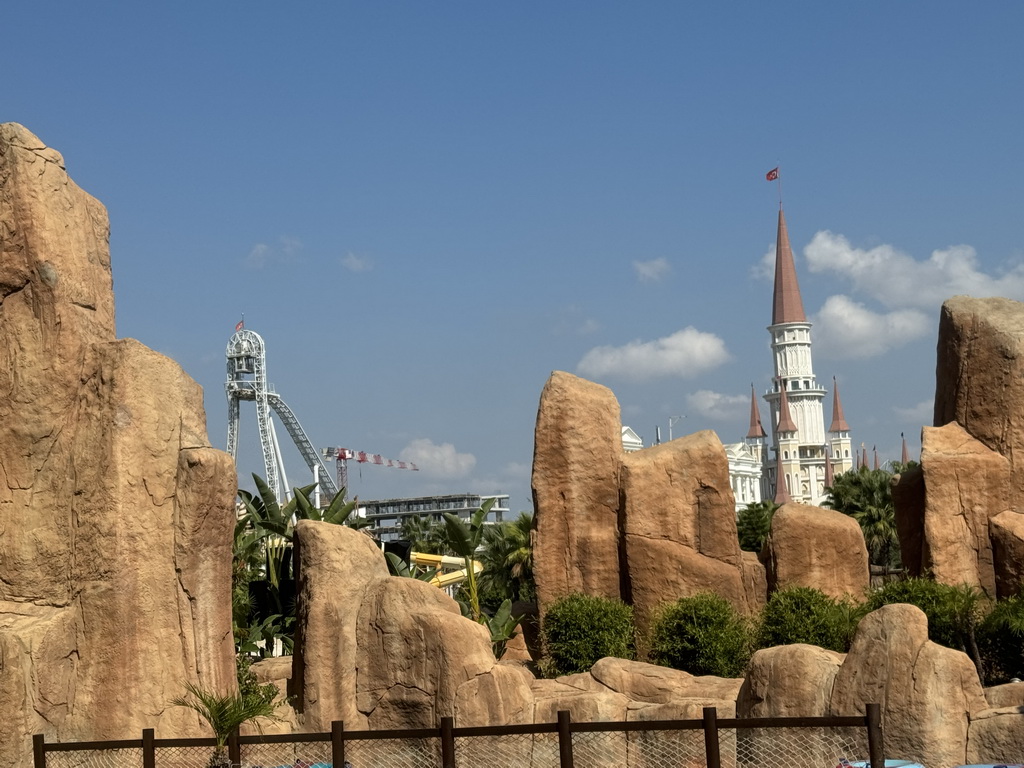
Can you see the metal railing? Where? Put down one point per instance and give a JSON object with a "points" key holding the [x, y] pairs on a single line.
{"points": [[827, 742]]}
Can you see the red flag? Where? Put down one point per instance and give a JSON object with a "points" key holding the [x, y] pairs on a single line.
{"points": [[240, 325], [773, 174]]}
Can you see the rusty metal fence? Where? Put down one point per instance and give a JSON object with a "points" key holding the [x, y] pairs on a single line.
{"points": [[804, 742]]}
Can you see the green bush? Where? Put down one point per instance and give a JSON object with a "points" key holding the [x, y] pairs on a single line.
{"points": [[703, 635], [940, 603], [580, 629], [1001, 637], [806, 615]]}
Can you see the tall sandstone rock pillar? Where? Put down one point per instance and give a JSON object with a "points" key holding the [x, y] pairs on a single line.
{"points": [[576, 459], [979, 375], [116, 514]]}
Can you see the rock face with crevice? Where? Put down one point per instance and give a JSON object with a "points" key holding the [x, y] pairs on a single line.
{"points": [[116, 513]]}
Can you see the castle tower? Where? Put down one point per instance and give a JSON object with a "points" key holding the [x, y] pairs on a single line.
{"points": [[839, 436], [798, 423]]}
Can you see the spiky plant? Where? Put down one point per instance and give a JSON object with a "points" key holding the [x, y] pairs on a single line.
{"points": [[224, 713]]}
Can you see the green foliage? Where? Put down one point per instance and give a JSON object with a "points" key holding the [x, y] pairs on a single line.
{"points": [[263, 578], [502, 626], [398, 567], [806, 615], [703, 635], [464, 539], [508, 560], [1001, 637], [866, 496], [954, 613], [753, 524], [224, 713], [249, 688], [578, 630]]}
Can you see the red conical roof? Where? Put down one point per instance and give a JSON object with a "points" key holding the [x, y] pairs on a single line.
{"points": [[786, 423], [838, 420], [781, 491], [905, 457], [864, 456], [830, 476], [787, 307], [875, 449], [756, 430]]}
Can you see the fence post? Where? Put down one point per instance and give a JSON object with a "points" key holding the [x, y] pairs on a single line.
{"points": [[148, 748], [876, 742], [234, 748], [564, 739], [447, 743], [711, 751], [338, 743], [39, 750]]}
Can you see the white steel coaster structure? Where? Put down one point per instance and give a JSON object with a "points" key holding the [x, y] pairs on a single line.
{"points": [[247, 380]]}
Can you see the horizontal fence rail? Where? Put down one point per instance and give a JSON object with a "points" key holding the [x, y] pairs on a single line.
{"points": [[827, 742]]}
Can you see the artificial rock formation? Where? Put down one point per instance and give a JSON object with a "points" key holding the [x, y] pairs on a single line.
{"points": [[965, 485], [980, 375], [116, 513], [928, 693], [814, 547], [680, 525], [577, 451], [1006, 532]]}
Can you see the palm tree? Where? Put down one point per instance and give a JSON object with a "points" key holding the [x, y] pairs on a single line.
{"points": [[753, 523], [508, 558], [866, 496], [224, 715], [464, 539]]}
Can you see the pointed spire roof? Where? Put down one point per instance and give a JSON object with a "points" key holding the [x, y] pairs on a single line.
{"points": [[875, 449], [756, 430], [787, 307], [838, 419], [864, 456], [786, 423], [781, 491], [830, 476], [905, 456]]}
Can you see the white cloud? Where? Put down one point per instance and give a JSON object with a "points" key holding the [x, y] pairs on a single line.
{"points": [[685, 354], [354, 263], [765, 268], [897, 280], [715, 405], [651, 271], [845, 328], [262, 255], [438, 460], [922, 413]]}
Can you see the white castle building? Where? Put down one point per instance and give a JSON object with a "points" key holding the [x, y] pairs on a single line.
{"points": [[803, 456]]}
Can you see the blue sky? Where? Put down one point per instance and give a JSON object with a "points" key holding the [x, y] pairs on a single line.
{"points": [[425, 208]]}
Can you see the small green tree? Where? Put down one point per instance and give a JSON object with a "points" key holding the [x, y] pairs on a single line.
{"points": [[806, 615], [866, 496], [703, 635], [578, 630], [753, 523], [224, 713], [464, 539]]}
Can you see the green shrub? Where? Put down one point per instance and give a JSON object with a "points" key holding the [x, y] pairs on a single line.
{"points": [[703, 635], [1001, 637], [940, 603], [806, 615], [580, 629]]}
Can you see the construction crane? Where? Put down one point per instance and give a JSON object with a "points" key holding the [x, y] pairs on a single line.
{"points": [[342, 456]]}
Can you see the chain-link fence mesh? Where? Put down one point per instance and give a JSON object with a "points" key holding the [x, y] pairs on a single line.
{"points": [[393, 753], [180, 757], [96, 758], [300, 754], [806, 747]]}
